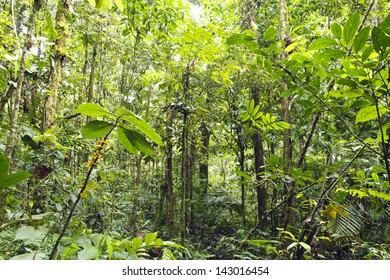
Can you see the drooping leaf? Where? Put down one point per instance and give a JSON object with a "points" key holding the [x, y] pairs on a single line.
{"points": [[150, 238], [4, 166], [70, 251], [137, 141], [89, 252], [124, 140], [337, 30], [361, 38], [305, 246], [243, 174], [93, 110], [14, 179], [270, 33], [96, 129], [322, 43], [141, 124], [368, 113], [351, 27]]}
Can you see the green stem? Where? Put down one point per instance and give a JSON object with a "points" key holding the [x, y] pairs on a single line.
{"points": [[83, 187]]}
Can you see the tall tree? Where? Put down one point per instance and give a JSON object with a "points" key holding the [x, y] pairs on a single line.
{"points": [[59, 53], [287, 140]]}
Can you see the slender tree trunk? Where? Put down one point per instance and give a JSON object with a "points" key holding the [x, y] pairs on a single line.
{"points": [[184, 181], [204, 161], [16, 95], [59, 50], [287, 142], [259, 167], [169, 173], [240, 155]]}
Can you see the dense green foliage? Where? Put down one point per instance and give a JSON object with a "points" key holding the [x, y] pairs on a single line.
{"points": [[237, 129]]}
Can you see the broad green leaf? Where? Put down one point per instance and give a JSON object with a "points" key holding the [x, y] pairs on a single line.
{"points": [[150, 238], [70, 251], [96, 129], [361, 38], [369, 113], [380, 40], [92, 2], [270, 33], [385, 25], [30, 233], [119, 4], [351, 27], [89, 252], [14, 179], [4, 166], [239, 39], [29, 256], [138, 141], [137, 243], [93, 110], [142, 125], [322, 43], [124, 140], [367, 52], [323, 58], [337, 30]]}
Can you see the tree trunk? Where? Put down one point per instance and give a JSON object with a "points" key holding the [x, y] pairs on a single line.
{"points": [[287, 142], [184, 181], [169, 173], [59, 51], [16, 95], [204, 161], [259, 167]]}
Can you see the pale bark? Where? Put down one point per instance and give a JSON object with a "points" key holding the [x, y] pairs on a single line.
{"points": [[59, 53]]}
